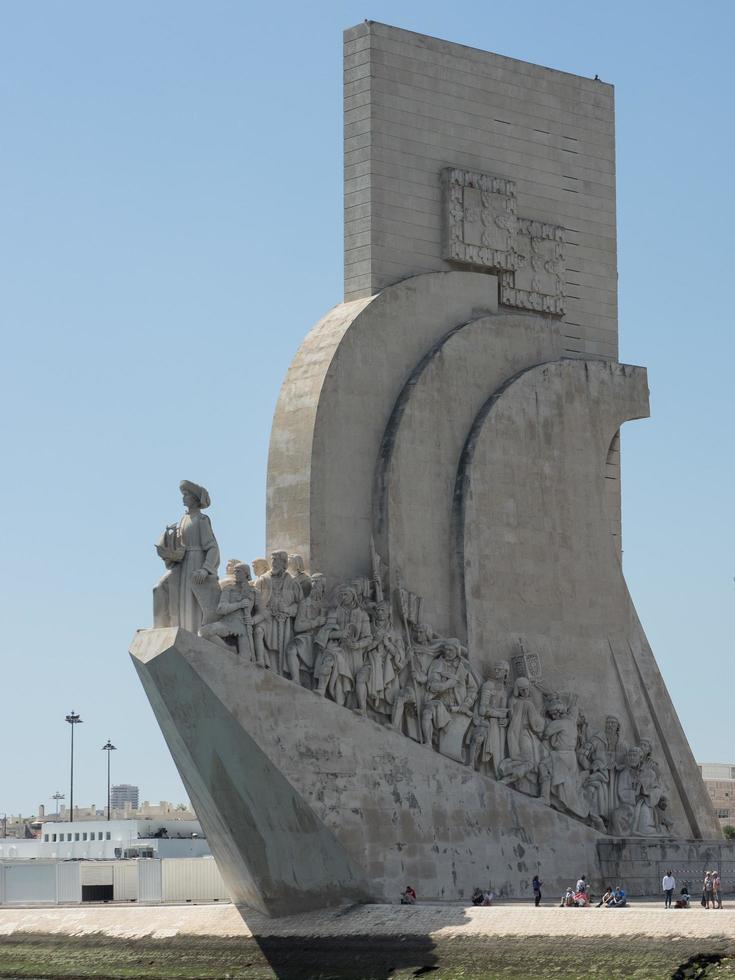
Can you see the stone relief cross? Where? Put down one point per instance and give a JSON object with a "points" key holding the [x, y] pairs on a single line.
{"points": [[483, 230]]}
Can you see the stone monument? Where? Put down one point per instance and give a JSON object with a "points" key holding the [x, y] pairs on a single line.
{"points": [[438, 676]]}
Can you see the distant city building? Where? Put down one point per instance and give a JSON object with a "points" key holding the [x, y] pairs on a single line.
{"points": [[99, 840], [719, 779], [122, 794]]}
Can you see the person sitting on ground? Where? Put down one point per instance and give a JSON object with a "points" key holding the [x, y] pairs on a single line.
{"points": [[606, 897], [567, 899], [581, 899], [683, 901], [618, 900], [477, 896], [409, 896], [488, 897]]}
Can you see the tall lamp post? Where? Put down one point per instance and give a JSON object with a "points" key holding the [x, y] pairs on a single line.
{"points": [[108, 748], [73, 720]]}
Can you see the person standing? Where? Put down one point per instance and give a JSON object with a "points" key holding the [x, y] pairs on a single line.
{"points": [[708, 895], [716, 892], [668, 884], [536, 885]]}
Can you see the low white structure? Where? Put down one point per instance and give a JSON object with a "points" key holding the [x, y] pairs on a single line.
{"points": [[96, 840], [46, 882]]}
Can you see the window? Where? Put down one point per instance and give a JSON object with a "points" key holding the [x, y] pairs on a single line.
{"points": [[76, 836], [45, 837], [723, 814], [108, 836], [68, 836], [53, 838], [84, 836]]}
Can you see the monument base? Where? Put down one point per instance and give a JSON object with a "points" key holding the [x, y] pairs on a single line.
{"points": [[640, 863], [306, 804]]}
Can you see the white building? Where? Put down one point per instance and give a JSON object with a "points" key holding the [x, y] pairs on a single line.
{"points": [[95, 840], [719, 778]]}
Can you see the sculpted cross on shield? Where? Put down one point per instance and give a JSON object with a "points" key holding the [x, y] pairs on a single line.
{"points": [[482, 230]]}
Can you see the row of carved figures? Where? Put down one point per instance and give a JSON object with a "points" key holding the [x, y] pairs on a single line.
{"points": [[344, 646]]}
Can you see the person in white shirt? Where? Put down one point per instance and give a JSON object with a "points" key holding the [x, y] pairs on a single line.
{"points": [[668, 884]]}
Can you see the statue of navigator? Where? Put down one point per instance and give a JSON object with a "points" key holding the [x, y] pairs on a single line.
{"points": [[188, 592]]}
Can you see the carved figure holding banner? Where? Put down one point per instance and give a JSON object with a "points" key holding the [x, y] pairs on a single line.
{"points": [[424, 647]]}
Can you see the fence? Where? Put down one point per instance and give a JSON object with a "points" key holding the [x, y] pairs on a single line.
{"points": [[147, 880]]}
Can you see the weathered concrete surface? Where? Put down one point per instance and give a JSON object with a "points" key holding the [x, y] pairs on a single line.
{"points": [[274, 854], [335, 404], [417, 466], [642, 863], [415, 104], [540, 566], [402, 812]]}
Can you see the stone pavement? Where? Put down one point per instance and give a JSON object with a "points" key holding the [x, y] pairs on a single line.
{"points": [[444, 921]]}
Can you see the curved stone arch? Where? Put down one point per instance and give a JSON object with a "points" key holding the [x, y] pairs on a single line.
{"points": [[334, 406], [540, 441], [421, 446], [540, 565]]}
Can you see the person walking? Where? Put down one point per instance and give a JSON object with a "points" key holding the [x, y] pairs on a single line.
{"points": [[536, 885], [668, 884], [716, 888]]}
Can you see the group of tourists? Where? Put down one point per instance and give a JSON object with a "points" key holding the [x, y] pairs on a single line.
{"points": [[711, 891], [579, 896]]}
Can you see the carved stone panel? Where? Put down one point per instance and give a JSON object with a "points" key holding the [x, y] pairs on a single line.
{"points": [[480, 219], [482, 230]]}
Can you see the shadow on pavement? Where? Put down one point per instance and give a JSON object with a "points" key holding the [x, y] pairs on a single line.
{"points": [[325, 947]]}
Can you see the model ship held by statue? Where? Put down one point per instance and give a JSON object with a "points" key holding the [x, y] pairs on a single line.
{"points": [[438, 675]]}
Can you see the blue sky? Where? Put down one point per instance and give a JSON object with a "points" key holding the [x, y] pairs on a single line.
{"points": [[171, 201]]}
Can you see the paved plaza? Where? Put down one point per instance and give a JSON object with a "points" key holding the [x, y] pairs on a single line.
{"points": [[438, 921]]}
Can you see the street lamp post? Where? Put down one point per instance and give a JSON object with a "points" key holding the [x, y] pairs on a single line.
{"points": [[108, 748], [73, 720], [58, 796]]}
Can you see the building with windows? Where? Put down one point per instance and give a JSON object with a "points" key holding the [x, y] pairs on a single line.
{"points": [[106, 840], [122, 794], [719, 780]]}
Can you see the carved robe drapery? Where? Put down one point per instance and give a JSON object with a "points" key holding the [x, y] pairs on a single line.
{"points": [[561, 737], [279, 600], [491, 709], [177, 599]]}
